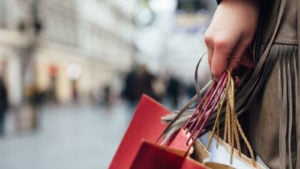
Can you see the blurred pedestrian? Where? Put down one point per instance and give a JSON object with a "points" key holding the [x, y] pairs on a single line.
{"points": [[106, 100], [159, 88], [3, 105], [138, 81], [191, 90], [173, 91], [128, 92], [144, 82]]}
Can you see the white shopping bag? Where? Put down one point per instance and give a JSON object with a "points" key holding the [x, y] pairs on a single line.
{"points": [[220, 154]]}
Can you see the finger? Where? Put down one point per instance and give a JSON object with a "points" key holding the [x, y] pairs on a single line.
{"points": [[220, 59], [236, 58], [209, 44], [210, 55], [247, 60]]}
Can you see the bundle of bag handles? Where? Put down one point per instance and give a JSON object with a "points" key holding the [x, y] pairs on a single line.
{"points": [[232, 130], [213, 102]]}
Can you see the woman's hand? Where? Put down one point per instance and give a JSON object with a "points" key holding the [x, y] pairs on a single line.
{"points": [[229, 35]]}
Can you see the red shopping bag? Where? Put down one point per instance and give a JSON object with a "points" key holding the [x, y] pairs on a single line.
{"points": [[154, 156], [175, 153], [145, 124]]}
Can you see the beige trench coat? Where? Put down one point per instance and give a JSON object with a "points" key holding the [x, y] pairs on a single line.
{"points": [[269, 99]]}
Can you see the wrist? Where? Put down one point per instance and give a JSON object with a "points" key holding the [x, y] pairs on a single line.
{"points": [[252, 5], [249, 2]]}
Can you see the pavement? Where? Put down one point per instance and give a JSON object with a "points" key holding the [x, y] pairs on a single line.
{"points": [[68, 137]]}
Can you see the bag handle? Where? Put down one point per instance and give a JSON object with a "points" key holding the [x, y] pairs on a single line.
{"points": [[205, 108], [233, 128], [166, 133]]}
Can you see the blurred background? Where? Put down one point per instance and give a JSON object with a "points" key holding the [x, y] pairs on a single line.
{"points": [[72, 72]]}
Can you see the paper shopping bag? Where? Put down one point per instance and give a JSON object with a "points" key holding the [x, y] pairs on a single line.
{"points": [[220, 154], [154, 156], [145, 124], [202, 155]]}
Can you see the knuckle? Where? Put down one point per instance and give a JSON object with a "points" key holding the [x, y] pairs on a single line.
{"points": [[214, 72], [216, 41], [246, 42], [208, 38], [236, 59], [220, 43]]}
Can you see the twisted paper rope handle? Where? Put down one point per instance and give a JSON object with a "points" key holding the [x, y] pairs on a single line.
{"points": [[232, 128]]}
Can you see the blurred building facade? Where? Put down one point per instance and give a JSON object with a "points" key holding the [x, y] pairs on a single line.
{"points": [[68, 47], [170, 36], [71, 48]]}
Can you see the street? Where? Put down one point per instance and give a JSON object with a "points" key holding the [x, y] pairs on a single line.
{"points": [[69, 137]]}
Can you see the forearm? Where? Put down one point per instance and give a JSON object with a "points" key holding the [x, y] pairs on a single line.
{"points": [[250, 8]]}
